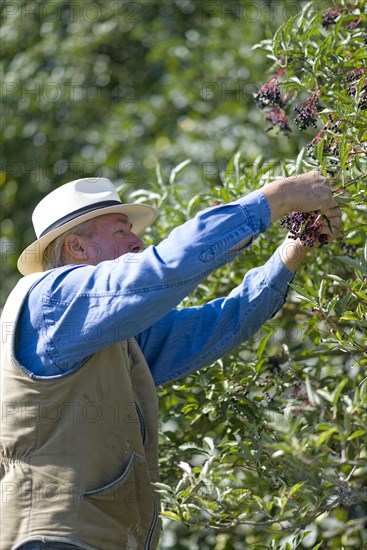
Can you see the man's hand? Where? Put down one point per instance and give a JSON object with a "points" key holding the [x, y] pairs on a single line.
{"points": [[307, 193]]}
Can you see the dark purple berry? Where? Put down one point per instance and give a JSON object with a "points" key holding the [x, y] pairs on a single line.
{"points": [[323, 240]]}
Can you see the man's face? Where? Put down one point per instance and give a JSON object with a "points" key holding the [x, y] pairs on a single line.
{"points": [[111, 239]]}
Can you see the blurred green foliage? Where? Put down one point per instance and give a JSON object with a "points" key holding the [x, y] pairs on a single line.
{"points": [[265, 449]]}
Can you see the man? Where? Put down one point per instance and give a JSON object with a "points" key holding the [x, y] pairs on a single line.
{"points": [[93, 327]]}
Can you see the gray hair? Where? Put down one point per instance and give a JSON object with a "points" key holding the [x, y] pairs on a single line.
{"points": [[53, 255]]}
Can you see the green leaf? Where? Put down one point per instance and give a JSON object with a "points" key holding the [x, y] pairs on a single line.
{"points": [[349, 316], [326, 395], [304, 293], [163, 487], [296, 488], [335, 278], [325, 436], [177, 170], [356, 434], [159, 174], [313, 397], [262, 345], [209, 443], [193, 448], [321, 292], [352, 263], [170, 515], [338, 390]]}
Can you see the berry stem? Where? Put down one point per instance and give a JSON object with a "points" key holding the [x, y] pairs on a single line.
{"points": [[279, 73], [357, 153]]}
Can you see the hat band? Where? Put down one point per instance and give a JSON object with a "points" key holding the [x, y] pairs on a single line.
{"points": [[77, 214]]}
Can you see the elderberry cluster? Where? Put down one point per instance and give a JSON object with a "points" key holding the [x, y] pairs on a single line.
{"points": [[333, 125], [353, 77], [354, 74], [307, 115], [277, 118], [269, 94], [311, 146], [331, 143], [330, 148], [330, 17], [353, 24], [306, 227], [362, 104]]}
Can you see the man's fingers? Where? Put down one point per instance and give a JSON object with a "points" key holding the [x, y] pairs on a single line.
{"points": [[331, 222], [332, 225], [331, 211]]}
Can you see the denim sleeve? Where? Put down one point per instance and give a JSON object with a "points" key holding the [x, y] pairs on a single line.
{"points": [[76, 311], [188, 339]]}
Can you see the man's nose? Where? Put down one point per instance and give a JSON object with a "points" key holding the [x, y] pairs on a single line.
{"points": [[135, 244]]}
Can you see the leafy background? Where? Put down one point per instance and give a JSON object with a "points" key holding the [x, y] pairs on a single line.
{"points": [[266, 448]]}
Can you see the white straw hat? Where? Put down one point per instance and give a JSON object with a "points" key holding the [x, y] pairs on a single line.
{"points": [[72, 204]]}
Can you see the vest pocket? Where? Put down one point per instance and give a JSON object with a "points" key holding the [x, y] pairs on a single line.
{"points": [[122, 514]]}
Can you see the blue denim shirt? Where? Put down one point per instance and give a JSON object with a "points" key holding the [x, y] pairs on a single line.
{"points": [[77, 310]]}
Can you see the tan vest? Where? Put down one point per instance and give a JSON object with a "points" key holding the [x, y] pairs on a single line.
{"points": [[78, 451]]}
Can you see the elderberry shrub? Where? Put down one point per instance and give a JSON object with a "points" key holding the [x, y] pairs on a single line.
{"points": [[305, 226]]}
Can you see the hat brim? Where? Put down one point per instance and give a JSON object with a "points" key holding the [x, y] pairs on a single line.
{"points": [[140, 216]]}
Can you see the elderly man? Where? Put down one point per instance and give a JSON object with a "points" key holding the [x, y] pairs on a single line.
{"points": [[90, 331]]}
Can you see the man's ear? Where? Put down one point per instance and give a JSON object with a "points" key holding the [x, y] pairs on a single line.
{"points": [[74, 249]]}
